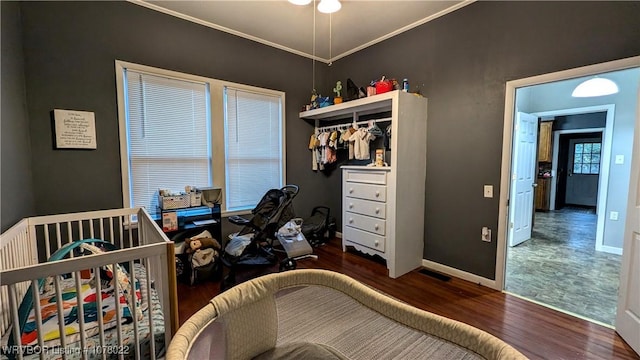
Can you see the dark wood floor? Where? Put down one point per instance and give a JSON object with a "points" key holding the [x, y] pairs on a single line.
{"points": [[538, 332]]}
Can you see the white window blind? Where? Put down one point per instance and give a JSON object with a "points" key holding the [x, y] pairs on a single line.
{"points": [[254, 149], [168, 134]]}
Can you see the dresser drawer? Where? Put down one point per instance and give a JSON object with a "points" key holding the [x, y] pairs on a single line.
{"points": [[364, 238], [374, 177], [366, 207], [366, 223], [366, 191]]}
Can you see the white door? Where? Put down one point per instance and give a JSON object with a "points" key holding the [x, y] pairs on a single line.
{"points": [[523, 177], [628, 317]]}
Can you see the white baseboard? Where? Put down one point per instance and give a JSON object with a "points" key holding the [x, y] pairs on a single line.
{"points": [[459, 274], [338, 234], [609, 249]]}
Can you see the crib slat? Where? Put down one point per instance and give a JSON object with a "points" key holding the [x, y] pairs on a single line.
{"points": [[63, 335], [80, 229], [130, 231], [16, 320], [58, 236], [152, 331], [91, 231], [69, 231], [102, 229], [112, 237], [37, 309], [96, 272], [47, 246], [121, 219], [80, 306], [116, 287], [134, 304]]}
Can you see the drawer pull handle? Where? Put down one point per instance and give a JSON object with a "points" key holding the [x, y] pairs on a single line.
{"points": [[351, 191], [351, 206], [376, 227], [376, 243], [377, 210], [377, 193], [350, 220]]}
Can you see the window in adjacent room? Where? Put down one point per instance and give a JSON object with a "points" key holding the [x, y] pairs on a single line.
{"points": [[586, 158], [178, 129]]}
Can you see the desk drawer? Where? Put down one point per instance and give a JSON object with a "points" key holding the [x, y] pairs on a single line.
{"points": [[366, 207], [366, 191], [364, 238], [366, 223]]}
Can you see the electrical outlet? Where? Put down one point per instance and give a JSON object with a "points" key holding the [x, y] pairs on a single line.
{"points": [[486, 234], [613, 215]]}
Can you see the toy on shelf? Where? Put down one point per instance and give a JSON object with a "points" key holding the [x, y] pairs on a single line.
{"points": [[337, 99]]}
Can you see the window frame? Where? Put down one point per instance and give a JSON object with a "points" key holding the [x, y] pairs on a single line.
{"points": [[217, 126]]}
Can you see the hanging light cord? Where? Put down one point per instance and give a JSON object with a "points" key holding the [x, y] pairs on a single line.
{"points": [[313, 69], [330, 36]]}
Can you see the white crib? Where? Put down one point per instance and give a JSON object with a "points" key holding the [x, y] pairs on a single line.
{"points": [[141, 245]]}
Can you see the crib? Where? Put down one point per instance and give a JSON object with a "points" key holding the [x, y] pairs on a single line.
{"points": [[142, 248]]}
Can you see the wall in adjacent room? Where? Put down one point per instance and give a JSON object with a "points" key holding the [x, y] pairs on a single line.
{"points": [[548, 97], [16, 194], [461, 62]]}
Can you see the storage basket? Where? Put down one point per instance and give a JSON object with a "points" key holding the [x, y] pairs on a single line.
{"points": [[174, 202]]}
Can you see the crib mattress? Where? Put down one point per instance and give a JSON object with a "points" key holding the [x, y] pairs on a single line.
{"points": [[94, 350]]}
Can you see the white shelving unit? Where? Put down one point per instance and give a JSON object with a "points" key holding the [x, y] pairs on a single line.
{"points": [[383, 207]]}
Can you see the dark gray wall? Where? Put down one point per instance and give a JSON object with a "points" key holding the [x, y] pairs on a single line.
{"points": [[464, 60], [70, 49], [461, 61], [580, 121], [16, 195]]}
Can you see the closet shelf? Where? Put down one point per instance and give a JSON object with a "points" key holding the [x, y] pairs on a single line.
{"points": [[346, 110]]}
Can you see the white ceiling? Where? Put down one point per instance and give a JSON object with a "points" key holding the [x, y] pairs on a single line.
{"points": [[289, 27]]}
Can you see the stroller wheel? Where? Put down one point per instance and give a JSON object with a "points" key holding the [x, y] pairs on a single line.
{"points": [[288, 264]]}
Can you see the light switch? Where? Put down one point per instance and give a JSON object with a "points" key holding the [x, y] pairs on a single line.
{"points": [[619, 159], [488, 191]]}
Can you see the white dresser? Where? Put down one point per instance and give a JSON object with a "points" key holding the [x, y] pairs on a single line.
{"points": [[383, 207], [364, 206]]}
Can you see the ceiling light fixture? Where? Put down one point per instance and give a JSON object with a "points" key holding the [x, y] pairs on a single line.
{"points": [[329, 6], [595, 87], [300, 2], [325, 6]]}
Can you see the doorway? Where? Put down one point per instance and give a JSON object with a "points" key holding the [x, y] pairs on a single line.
{"points": [[558, 264], [578, 171], [618, 230]]}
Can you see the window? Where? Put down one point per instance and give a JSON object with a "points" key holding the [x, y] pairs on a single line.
{"points": [[178, 129], [586, 158], [253, 146]]}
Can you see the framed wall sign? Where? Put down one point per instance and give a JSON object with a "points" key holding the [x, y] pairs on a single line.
{"points": [[75, 129]]}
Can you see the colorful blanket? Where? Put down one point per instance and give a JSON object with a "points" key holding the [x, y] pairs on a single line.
{"points": [[70, 303]]}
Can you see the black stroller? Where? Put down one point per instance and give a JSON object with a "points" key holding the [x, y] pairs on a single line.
{"points": [[253, 244]]}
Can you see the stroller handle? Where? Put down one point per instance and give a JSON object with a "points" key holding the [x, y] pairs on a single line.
{"points": [[291, 190]]}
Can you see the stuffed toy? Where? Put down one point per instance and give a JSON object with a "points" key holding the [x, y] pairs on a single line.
{"points": [[201, 243]]}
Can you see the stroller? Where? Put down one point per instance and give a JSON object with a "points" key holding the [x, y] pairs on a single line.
{"points": [[254, 243]]}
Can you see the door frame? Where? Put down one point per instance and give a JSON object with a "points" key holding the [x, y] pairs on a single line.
{"points": [[507, 146]]}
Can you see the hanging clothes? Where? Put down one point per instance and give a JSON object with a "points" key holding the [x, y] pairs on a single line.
{"points": [[312, 147], [361, 140]]}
